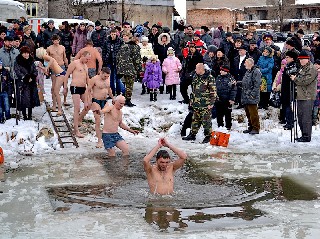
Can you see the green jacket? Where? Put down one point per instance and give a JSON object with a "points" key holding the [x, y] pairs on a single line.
{"points": [[204, 90], [306, 81], [129, 60]]}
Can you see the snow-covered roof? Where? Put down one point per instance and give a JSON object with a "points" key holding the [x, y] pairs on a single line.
{"points": [[11, 2], [169, 3]]}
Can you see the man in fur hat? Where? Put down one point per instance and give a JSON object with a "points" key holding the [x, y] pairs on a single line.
{"points": [[306, 81]]}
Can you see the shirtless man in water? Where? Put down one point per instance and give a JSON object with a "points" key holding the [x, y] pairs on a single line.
{"points": [[56, 69], [57, 52], [113, 120], [80, 80], [160, 175], [99, 89]]}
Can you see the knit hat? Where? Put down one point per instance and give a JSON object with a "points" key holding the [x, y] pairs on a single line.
{"points": [[292, 54], [205, 28], [197, 33], [225, 68], [228, 34], [269, 49], [222, 50], [300, 31], [50, 21], [284, 62], [303, 55], [290, 43], [268, 37], [166, 29], [243, 47], [8, 38], [97, 23], [170, 51], [144, 38], [212, 48], [145, 24]]}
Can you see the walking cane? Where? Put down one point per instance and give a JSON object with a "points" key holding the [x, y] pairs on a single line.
{"points": [[15, 97], [294, 129]]}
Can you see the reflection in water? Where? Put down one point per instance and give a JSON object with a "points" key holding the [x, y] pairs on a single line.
{"points": [[200, 201]]}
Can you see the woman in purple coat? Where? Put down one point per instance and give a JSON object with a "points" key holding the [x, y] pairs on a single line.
{"points": [[80, 39], [153, 77]]}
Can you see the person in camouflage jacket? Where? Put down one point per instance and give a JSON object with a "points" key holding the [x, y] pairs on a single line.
{"points": [[204, 96], [128, 65]]}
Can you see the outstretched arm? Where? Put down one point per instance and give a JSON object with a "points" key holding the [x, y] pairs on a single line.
{"points": [[149, 156], [181, 154]]}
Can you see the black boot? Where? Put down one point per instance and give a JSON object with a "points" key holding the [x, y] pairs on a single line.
{"points": [[151, 96], [129, 104], [161, 89], [155, 96], [190, 137], [174, 92], [183, 132], [206, 139], [143, 89]]}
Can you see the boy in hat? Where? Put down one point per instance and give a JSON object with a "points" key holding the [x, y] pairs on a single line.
{"points": [[306, 81], [226, 92]]}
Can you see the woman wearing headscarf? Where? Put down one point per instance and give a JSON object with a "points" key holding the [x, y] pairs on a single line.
{"points": [[26, 86]]}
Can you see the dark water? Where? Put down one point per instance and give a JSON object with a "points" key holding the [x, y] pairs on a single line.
{"points": [[200, 201]]}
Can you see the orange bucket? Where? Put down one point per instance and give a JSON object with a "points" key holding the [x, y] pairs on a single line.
{"points": [[215, 137], [223, 140], [1, 156]]}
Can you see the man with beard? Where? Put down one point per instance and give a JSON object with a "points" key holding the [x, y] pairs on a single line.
{"points": [[160, 175]]}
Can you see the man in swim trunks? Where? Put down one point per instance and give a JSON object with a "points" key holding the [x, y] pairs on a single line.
{"points": [[95, 57], [160, 175], [99, 89], [56, 69], [57, 52], [80, 79], [113, 120]]}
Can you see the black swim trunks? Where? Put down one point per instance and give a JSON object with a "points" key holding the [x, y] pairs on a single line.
{"points": [[77, 90], [102, 103]]}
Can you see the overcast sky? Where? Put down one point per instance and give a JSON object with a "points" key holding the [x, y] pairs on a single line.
{"points": [[181, 7], [307, 1]]}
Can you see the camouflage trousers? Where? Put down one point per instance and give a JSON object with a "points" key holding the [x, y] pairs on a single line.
{"points": [[201, 116], [128, 81]]}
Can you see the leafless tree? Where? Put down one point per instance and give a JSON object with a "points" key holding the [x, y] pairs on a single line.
{"points": [[127, 9], [279, 10]]}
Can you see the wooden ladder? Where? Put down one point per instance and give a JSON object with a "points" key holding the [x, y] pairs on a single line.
{"points": [[61, 127]]}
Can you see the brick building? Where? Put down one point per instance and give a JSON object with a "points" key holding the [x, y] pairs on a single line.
{"points": [[225, 17], [239, 4]]}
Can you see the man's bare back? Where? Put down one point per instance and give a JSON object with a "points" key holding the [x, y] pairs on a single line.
{"points": [[160, 175], [58, 53], [53, 64], [95, 56]]}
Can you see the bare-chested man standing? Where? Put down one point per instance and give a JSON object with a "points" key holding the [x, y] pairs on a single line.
{"points": [[53, 65], [113, 120], [160, 175], [57, 52], [80, 79], [95, 56], [99, 89]]}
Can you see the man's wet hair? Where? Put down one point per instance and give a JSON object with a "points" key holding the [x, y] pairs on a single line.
{"points": [[55, 37], [162, 154], [106, 70], [85, 53]]}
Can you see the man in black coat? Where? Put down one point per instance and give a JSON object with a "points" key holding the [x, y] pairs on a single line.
{"points": [[48, 33], [194, 57], [98, 36], [239, 70], [253, 51]]}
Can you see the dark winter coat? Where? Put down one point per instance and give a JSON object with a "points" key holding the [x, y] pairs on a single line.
{"points": [[178, 36], [226, 46], [66, 40], [110, 50], [226, 88], [47, 35], [27, 41], [153, 39], [79, 41], [208, 60], [153, 75], [297, 42], [265, 63], [6, 81], [27, 92], [98, 38], [129, 59], [237, 72], [287, 84], [218, 62], [191, 61], [40, 40], [207, 39], [255, 54], [161, 49], [251, 87]]}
